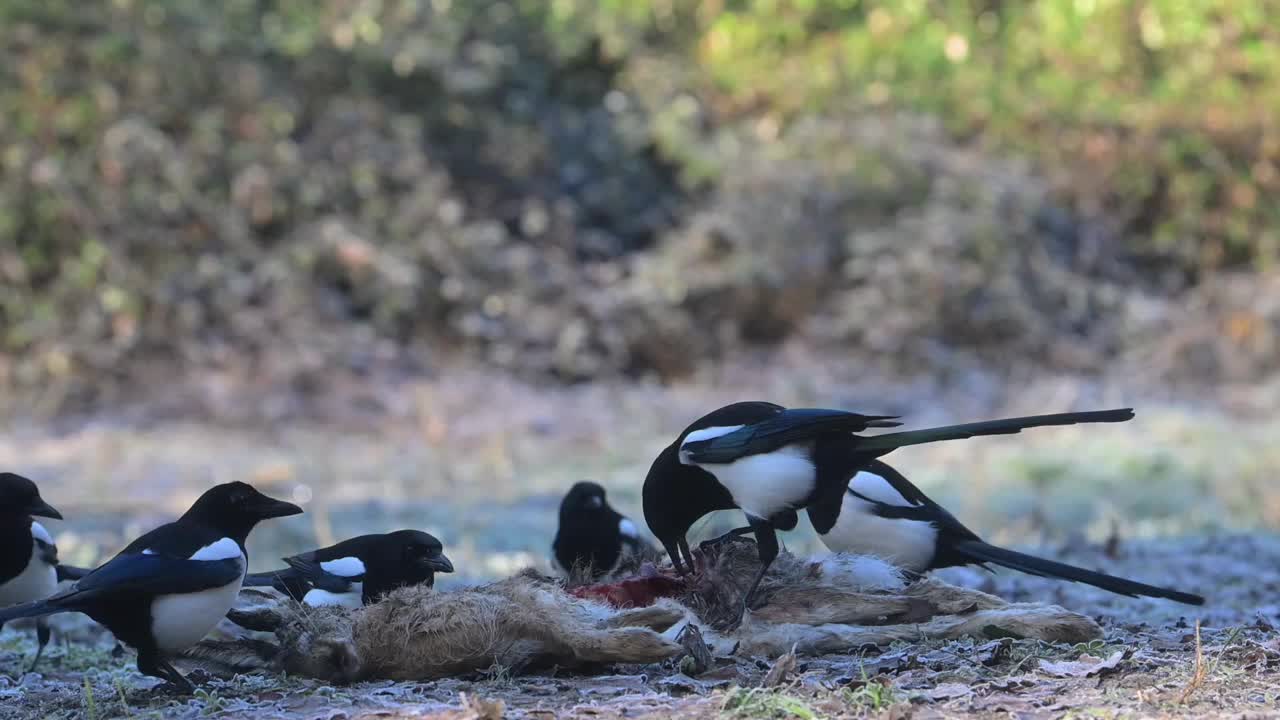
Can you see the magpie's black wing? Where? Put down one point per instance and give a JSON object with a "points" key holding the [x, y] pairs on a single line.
{"points": [[922, 508], [158, 574], [899, 483], [319, 578], [140, 574], [781, 429]]}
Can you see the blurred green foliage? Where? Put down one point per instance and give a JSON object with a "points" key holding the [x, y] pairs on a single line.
{"points": [[578, 187], [1159, 115]]}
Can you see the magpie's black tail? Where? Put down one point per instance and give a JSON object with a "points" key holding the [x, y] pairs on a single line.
{"points": [[287, 581], [1008, 426], [39, 608], [71, 572], [979, 551]]}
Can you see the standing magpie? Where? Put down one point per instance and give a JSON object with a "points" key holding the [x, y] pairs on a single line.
{"points": [[28, 557], [883, 514], [359, 571], [770, 462], [593, 538], [166, 590]]}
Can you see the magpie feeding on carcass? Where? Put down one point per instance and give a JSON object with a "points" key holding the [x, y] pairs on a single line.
{"points": [[771, 462]]}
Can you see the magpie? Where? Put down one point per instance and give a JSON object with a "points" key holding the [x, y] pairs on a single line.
{"points": [[358, 571], [166, 590], [883, 514], [28, 557], [771, 462], [593, 538]]}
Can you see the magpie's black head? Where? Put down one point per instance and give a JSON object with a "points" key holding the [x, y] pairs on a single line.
{"points": [[586, 500], [676, 496], [418, 550], [20, 496], [235, 507]]}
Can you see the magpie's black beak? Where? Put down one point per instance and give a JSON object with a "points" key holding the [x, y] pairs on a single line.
{"points": [[40, 508], [439, 563], [266, 507]]}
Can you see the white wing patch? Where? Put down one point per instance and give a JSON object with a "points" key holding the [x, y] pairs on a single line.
{"points": [[875, 487], [39, 533], [324, 598], [148, 551], [707, 433], [223, 549], [628, 528], [344, 567]]}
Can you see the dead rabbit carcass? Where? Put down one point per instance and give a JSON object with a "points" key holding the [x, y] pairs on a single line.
{"points": [[835, 605]]}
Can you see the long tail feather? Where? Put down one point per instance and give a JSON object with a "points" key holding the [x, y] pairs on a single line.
{"points": [[982, 552], [262, 579], [71, 572], [37, 608], [287, 581], [1008, 426]]}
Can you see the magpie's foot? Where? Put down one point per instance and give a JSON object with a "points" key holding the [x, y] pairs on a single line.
{"points": [[716, 542], [178, 685]]}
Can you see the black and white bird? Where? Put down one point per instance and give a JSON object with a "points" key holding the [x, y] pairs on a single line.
{"points": [[28, 557], [883, 514], [593, 539], [166, 590], [771, 462], [359, 571]]}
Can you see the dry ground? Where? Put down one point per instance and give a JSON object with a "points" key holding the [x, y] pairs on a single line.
{"points": [[1181, 496]]}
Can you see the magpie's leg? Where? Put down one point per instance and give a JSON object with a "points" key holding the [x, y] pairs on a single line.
{"points": [[767, 547], [150, 663], [42, 638], [683, 545], [736, 532], [176, 677]]}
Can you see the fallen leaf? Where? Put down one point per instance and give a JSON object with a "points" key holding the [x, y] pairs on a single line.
{"points": [[782, 668], [683, 684], [475, 708], [944, 691], [698, 656], [1086, 666], [994, 652]]}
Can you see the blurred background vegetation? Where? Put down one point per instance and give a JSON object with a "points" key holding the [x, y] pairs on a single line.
{"points": [[588, 189]]}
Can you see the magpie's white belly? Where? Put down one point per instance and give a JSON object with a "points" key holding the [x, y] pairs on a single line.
{"points": [[38, 580], [909, 544], [180, 621], [769, 482], [323, 598]]}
